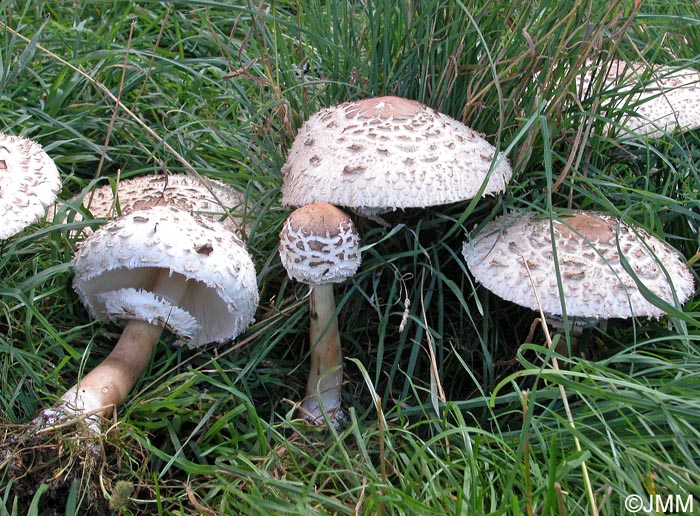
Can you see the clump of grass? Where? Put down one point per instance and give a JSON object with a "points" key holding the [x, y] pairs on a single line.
{"points": [[219, 90]]}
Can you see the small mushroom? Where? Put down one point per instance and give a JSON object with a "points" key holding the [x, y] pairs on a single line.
{"points": [[516, 251], [319, 246], [156, 268], [29, 182], [381, 154]]}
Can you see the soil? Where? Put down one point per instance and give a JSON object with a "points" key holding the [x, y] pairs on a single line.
{"points": [[54, 467]]}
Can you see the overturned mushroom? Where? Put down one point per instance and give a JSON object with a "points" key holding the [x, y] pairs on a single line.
{"points": [[588, 247], [386, 153], [29, 182], [319, 246], [156, 268]]}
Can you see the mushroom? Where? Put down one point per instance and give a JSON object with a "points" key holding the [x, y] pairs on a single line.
{"points": [[202, 196], [380, 154], [654, 99], [29, 182], [516, 251], [156, 268], [319, 246]]}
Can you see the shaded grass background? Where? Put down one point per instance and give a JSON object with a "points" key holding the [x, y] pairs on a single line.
{"points": [[226, 86]]}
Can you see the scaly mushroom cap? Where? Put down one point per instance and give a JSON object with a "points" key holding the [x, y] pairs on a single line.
{"points": [[386, 153], [588, 244], [117, 264], [29, 182], [205, 196], [656, 100], [319, 244]]}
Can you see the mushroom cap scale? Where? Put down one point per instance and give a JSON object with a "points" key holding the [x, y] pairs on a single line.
{"points": [[29, 183], [319, 244], [588, 246], [117, 264], [386, 153]]}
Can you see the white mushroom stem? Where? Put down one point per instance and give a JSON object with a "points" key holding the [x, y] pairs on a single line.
{"points": [[326, 373], [108, 384]]}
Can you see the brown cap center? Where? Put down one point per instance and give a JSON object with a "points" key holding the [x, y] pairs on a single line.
{"points": [[592, 227], [384, 108]]}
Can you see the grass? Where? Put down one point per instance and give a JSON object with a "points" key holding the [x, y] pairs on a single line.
{"points": [[114, 89]]}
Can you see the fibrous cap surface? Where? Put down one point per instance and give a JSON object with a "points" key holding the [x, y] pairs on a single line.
{"points": [[319, 244], [386, 153], [588, 247], [29, 182], [117, 265]]}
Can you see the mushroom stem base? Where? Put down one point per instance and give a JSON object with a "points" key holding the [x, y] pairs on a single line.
{"points": [[107, 385]]}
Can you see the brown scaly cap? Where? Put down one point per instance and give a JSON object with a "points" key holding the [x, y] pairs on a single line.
{"points": [[319, 244]]}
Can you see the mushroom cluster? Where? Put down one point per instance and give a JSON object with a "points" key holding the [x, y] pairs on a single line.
{"points": [[172, 257]]}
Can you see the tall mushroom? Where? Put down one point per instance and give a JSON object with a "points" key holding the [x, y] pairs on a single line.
{"points": [[319, 246], [588, 247], [156, 268], [386, 153], [29, 182]]}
